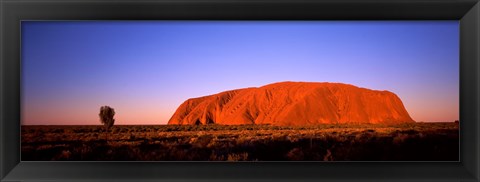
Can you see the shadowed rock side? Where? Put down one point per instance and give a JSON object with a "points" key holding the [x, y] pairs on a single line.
{"points": [[294, 103]]}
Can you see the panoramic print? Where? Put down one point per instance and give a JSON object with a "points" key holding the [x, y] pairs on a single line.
{"points": [[240, 91]]}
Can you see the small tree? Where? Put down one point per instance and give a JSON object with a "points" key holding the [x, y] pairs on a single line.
{"points": [[106, 117]]}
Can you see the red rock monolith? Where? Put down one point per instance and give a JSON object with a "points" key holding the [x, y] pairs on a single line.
{"points": [[294, 103]]}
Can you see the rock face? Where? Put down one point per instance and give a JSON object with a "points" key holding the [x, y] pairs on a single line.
{"points": [[294, 103]]}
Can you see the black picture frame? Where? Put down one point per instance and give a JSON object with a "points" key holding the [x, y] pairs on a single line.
{"points": [[12, 12]]}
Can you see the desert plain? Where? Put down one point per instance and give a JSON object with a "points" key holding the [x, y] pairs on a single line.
{"points": [[363, 142]]}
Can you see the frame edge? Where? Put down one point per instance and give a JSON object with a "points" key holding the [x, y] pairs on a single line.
{"points": [[470, 35]]}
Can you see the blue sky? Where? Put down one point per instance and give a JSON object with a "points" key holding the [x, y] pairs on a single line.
{"points": [[146, 69]]}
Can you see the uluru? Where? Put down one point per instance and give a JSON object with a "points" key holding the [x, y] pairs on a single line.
{"points": [[294, 104]]}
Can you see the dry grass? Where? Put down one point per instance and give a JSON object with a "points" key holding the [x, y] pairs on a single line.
{"points": [[413, 142]]}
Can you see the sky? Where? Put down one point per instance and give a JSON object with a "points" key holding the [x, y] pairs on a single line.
{"points": [[146, 69]]}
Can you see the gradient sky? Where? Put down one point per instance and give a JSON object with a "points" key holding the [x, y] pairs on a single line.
{"points": [[145, 70]]}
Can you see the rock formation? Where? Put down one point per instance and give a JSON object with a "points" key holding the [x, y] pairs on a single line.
{"points": [[294, 103]]}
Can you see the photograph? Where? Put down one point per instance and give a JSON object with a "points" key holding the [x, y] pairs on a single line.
{"points": [[185, 90]]}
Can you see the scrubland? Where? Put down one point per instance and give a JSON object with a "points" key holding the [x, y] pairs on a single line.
{"points": [[405, 142]]}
